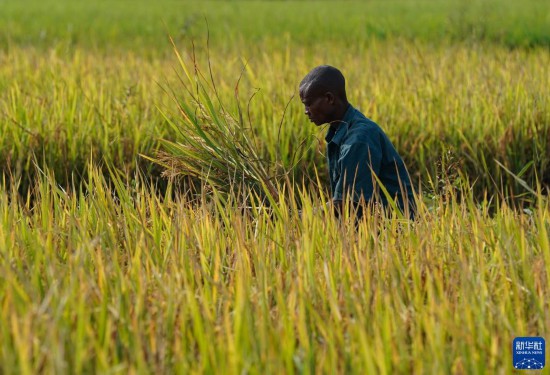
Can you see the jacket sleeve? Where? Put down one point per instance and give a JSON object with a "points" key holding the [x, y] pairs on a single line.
{"points": [[357, 161]]}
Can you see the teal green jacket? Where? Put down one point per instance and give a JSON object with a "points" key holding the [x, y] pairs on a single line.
{"points": [[356, 148]]}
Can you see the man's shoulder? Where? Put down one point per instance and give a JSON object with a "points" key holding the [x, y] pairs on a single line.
{"points": [[362, 129], [357, 117]]}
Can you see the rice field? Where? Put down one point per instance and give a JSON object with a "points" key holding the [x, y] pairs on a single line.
{"points": [[163, 202]]}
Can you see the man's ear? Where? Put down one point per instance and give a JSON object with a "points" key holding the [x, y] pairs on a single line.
{"points": [[330, 97]]}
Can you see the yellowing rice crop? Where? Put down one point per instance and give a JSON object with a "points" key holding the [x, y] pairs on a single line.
{"points": [[106, 266]]}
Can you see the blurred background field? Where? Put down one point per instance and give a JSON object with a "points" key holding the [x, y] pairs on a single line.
{"points": [[106, 269], [138, 25]]}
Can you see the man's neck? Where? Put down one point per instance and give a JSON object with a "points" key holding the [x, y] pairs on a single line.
{"points": [[339, 116]]}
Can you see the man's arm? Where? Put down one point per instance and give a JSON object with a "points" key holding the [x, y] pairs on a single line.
{"points": [[357, 162]]}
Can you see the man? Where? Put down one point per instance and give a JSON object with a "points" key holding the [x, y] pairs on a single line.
{"points": [[360, 156]]}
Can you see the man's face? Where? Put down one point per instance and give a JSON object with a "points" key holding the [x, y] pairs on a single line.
{"points": [[317, 108]]}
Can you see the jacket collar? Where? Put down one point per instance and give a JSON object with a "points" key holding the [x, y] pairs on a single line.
{"points": [[337, 131]]}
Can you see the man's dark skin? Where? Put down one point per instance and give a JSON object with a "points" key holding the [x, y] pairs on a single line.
{"points": [[325, 102]]}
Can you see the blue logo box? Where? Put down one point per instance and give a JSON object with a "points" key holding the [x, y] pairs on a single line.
{"points": [[529, 353]]}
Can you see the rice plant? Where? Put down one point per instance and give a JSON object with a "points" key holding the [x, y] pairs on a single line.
{"points": [[213, 144]]}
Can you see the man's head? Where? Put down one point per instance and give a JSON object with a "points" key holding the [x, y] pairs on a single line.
{"points": [[323, 93]]}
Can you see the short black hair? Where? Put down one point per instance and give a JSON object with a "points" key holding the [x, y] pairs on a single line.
{"points": [[323, 79]]}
